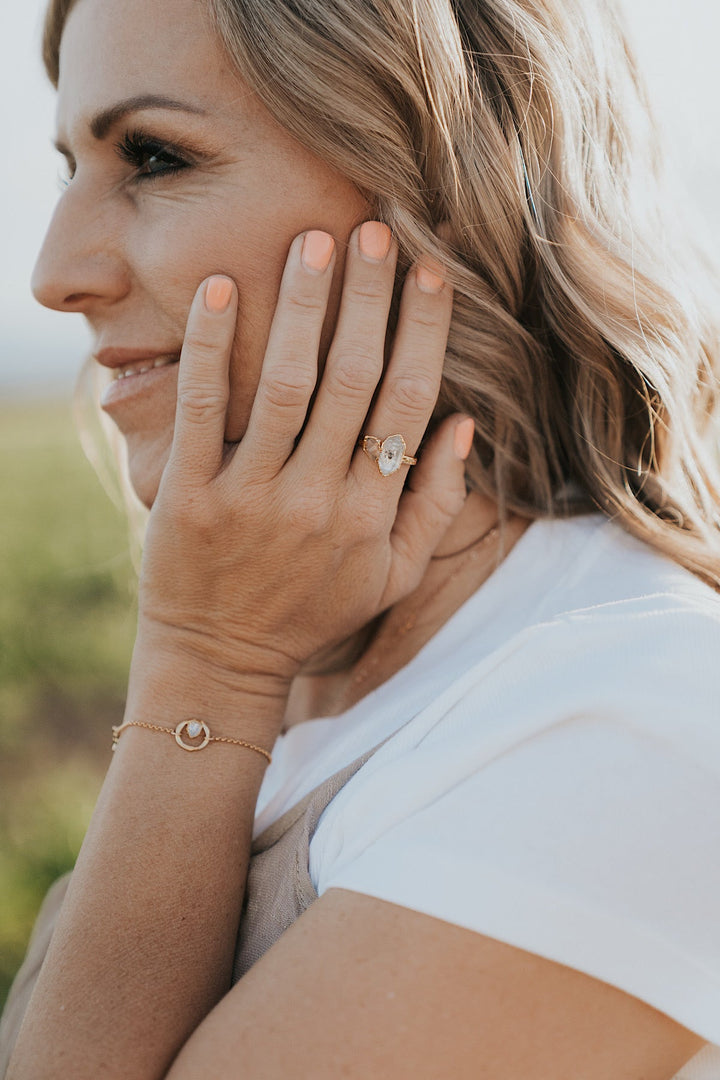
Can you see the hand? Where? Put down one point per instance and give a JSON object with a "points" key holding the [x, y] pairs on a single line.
{"points": [[256, 560]]}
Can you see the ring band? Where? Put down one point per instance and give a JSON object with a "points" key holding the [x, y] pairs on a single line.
{"points": [[388, 454]]}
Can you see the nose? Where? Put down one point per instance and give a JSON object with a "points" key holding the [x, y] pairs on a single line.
{"points": [[81, 264]]}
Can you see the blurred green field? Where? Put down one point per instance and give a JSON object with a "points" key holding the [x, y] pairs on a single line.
{"points": [[67, 623]]}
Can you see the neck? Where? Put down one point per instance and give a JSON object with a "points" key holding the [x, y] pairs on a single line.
{"points": [[466, 557]]}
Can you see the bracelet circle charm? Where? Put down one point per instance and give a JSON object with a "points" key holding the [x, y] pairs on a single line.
{"points": [[191, 729]]}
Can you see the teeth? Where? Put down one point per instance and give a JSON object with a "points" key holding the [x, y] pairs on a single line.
{"points": [[140, 367]]}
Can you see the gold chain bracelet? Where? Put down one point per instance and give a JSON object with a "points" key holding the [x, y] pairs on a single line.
{"points": [[188, 729]]}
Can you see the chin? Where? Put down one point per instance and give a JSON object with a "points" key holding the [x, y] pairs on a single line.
{"points": [[145, 486], [146, 491], [146, 463]]}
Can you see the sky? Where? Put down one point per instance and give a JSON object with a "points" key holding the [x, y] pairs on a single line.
{"points": [[40, 351]]}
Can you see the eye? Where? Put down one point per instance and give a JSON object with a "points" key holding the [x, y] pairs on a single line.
{"points": [[150, 157], [66, 170]]}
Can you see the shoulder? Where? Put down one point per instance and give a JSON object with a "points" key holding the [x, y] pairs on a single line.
{"points": [[597, 568], [622, 635], [581, 607], [642, 623], [623, 628]]}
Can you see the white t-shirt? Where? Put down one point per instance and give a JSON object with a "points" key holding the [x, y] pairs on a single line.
{"points": [[554, 777]]}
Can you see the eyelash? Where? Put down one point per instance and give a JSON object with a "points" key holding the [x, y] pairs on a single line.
{"points": [[140, 150]]}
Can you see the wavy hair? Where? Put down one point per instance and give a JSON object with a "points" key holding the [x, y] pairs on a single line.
{"points": [[512, 140]]}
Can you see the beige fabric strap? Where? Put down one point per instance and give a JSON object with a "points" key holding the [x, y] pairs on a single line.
{"points": [[279, 888]]}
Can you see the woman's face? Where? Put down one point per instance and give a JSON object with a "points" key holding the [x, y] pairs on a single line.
{"points": [[229, 192]]}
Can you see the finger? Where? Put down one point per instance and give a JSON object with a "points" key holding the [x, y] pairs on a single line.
{"points": [[410, 386], [289, 373], [203, 383], [432, 499], [355, 361]]}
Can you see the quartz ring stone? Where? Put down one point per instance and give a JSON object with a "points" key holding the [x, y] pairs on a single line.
{"points": [[192, 729], [388, 454]]}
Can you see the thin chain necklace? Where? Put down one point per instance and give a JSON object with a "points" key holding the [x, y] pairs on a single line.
{"points": [[471, 553]]}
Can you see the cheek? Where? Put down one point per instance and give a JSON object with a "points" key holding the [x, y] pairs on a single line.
{"points": [[254, 254], [238, 232], [258, 296], [175, 252], [174, 248]]}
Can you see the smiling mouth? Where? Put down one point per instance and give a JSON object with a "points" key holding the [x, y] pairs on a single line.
{"points": [[141, 366]]}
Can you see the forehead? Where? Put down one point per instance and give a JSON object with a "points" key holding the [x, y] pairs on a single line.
{"points": [[117, 49]]}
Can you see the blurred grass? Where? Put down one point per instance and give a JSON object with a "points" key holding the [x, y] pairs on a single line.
{"points": [[67, 623]]}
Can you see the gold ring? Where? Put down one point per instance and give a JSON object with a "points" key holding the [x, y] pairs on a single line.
{"points": [[388, 454]]}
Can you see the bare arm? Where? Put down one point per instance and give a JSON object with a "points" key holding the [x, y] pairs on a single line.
{"points": [[253, 562], [24, 982], [359, 988], [143, 947]]}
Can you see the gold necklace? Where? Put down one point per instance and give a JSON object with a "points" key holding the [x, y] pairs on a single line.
{"points": [[471, 551]]}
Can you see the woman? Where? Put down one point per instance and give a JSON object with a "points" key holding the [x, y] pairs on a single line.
{"points": [[486, 844]]}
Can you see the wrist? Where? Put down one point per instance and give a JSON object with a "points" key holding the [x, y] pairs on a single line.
{"points": [[230, 655], [172, 680]]}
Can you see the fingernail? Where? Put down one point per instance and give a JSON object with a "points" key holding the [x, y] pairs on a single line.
{"points": [[317, 250], [374, 241], [464, 435], [429, 276], [217, 294]]}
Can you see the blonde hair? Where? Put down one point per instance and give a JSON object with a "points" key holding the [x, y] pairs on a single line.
{"points": [[512, 140]]}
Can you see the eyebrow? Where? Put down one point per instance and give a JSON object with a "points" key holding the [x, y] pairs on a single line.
{"points": [[105, 119]]}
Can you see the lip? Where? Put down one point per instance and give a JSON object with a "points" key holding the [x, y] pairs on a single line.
{"points": [[112, 357], [120, 393]]}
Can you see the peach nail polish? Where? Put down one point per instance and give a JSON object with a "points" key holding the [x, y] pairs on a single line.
{"points": [[464, 435], [429, 276], [217, 294], [374, 240], [317, 250]]}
